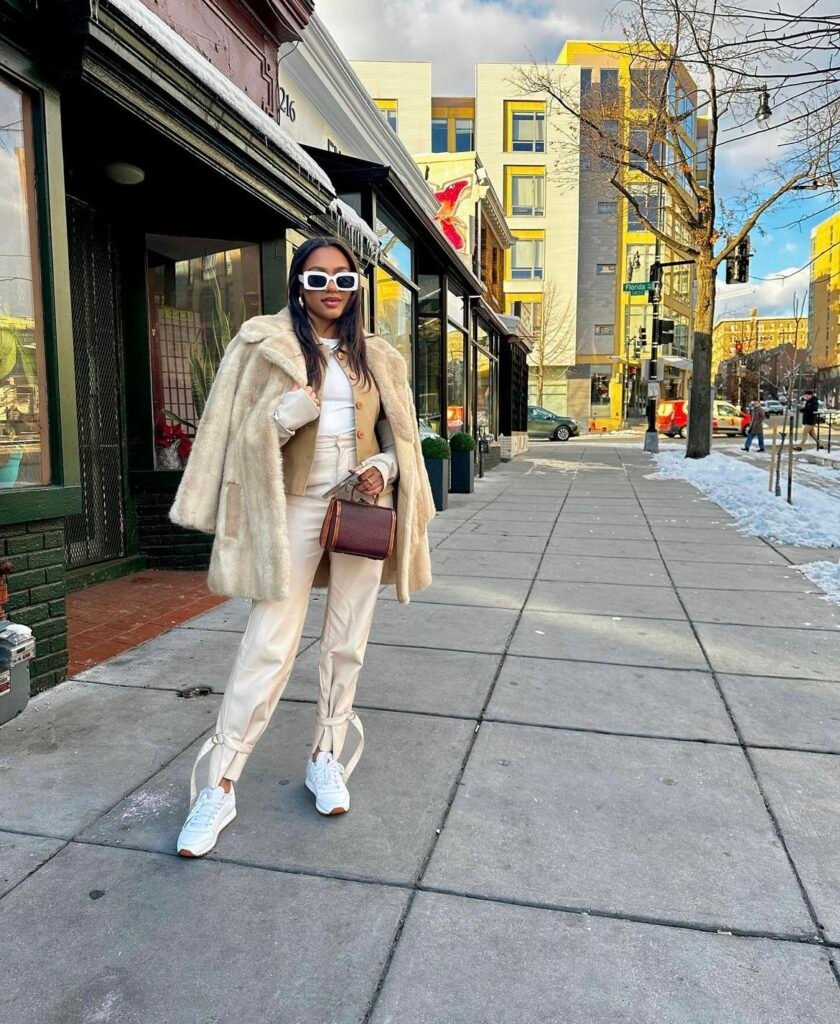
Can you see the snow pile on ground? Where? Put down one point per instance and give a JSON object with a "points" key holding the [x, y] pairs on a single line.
{"points": [[741, 490], [826, 575]]}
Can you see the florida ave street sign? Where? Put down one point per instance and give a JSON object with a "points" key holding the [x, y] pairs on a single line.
{"points": [[636, 287]]}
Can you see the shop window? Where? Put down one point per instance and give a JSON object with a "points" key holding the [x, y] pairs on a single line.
{"points": [[599, 396], [198, 303], [526, 256], [427, 391], [440, 135], [456, 382], [389, 110], [525, 127], [394, 314], [525, 192], [455, 307], [397, 247], [464, 134], [24, 427]]}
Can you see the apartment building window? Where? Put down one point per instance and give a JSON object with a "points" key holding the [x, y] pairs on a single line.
{"points": [[331, 147], [526, 256], [605, 207], [525, 127], [609, 85], [604, 329], [648, 203], [638, 148], [646, 87], [609, 155], [525, 190], [585, 81], [530, 309], [440, 135], [464, 133], [389, 111], [605, 268]]}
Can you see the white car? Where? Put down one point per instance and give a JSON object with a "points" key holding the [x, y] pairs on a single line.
{"points": [[773, 407]]}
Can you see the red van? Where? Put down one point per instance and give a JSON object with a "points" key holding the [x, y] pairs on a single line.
{"points": [[672, 417]]}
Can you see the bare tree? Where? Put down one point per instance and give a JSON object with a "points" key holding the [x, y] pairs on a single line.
{"points": [[695, 68], [553, 339]]}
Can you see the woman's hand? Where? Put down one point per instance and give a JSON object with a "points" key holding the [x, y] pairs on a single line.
{"points": [[370, 480]]}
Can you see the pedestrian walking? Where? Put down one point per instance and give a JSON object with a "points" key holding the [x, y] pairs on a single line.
{"points": [[809, 420], [301, 400], [756, 429]]}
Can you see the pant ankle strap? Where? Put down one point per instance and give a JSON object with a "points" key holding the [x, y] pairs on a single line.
{"points": [[356, 722]]}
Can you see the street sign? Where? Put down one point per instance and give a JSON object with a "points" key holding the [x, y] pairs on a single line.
{"points": [[653, 389], [636, 287]]}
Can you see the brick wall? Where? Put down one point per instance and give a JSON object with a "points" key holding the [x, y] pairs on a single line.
{"points": [[37, 593], [165, 545], [513, 445]]}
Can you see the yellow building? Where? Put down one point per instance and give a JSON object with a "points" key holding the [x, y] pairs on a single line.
{"points": [[825, 309], [747, 334], [619, 88]]}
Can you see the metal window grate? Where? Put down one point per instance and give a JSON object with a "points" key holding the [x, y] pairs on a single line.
{"points": [[98, 532]]}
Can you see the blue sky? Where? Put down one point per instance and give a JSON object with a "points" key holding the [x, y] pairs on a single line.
{"points": [[456, 34]]}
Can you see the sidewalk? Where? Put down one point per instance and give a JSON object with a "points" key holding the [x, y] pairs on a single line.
{"points": [[601, 784]]}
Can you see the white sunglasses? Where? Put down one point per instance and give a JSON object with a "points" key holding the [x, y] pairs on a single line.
{"points": [[317, 281]]}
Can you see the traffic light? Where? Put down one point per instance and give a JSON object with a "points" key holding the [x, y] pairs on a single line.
{"points": [[738, 263], [640, 342], [655, 278], [664, 332], [739, 347]]}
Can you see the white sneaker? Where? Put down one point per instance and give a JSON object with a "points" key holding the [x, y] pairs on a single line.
{"points": [[324, 779], [211, 812]]}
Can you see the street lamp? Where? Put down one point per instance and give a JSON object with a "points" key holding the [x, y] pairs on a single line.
{"points": [[764, 112]]}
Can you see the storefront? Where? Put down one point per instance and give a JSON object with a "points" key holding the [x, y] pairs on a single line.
{"points": [[147, 200]]}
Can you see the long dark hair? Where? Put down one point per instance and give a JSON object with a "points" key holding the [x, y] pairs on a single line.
{"points": [[351, 330]]}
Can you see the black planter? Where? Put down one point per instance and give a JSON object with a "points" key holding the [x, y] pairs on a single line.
{"points": [[438, 472], [463, 473]]}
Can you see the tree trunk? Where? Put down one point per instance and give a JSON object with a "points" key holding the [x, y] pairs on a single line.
{"points": [[699, 441]]}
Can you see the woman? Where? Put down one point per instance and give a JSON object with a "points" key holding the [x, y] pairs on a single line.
{"points": [[301, 399]]}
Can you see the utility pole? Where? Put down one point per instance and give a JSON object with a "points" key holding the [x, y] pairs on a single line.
{"points": [[654, 297]]}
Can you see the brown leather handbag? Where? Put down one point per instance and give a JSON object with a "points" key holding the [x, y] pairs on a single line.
{"points": [[352, 528]]}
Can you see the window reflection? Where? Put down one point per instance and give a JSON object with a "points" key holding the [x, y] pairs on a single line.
{"points": [[199, 301], [24, 453], [396, 248], [393, 314], [455, 381]]}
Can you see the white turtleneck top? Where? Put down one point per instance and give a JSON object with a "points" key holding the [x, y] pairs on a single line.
{"points": [[338, 411]]}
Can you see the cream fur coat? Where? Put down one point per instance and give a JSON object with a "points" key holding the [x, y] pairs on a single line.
{"points": [[233, 482]]}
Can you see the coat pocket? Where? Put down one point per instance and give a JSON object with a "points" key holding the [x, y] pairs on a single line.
{"points": [[233, 499]]}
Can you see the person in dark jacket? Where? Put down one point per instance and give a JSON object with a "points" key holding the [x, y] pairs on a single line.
{"points": [[809, 420], [756, 427]]}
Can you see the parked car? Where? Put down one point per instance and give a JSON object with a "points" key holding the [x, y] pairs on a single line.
{"points": [[545, 423], [672, 418], [746, 420], [773, 407]]}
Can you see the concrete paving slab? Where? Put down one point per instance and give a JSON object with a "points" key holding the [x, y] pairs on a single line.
{"points": [[484, 630], [469, 591], [583, 531], [801, 556], [459, 958], [77, 750], [409, 679], [802, 790], [691, 522], [800, 611], [506, 528], [484, 563], [737, 553], [601, 547], [723, 533], [602, 519], [802, 713], [616, 640], [610, 698], [231, 616], [757, 579], [647, 572], [604, 599], [655, 828], [103, 934], [479, 541], [386, 835], [683, 509], [20, 855], [537, 515], [764, 650]]}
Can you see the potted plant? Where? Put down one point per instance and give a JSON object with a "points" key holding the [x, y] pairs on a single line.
{"points": [[462, 445], [436, 456], [172, 444]]}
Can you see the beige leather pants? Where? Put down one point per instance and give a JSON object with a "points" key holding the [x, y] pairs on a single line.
{"points": [[268, 648]]}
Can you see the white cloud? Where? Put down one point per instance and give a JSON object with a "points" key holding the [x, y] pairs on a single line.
{"points": [[772, 296], [456, 35]]}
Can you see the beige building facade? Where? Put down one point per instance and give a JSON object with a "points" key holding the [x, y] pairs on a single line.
{"points": [[748, 334]]}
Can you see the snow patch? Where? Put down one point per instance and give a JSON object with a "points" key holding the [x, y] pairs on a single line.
{"points": [[826, 575], [170, 42], [741, 489]]}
